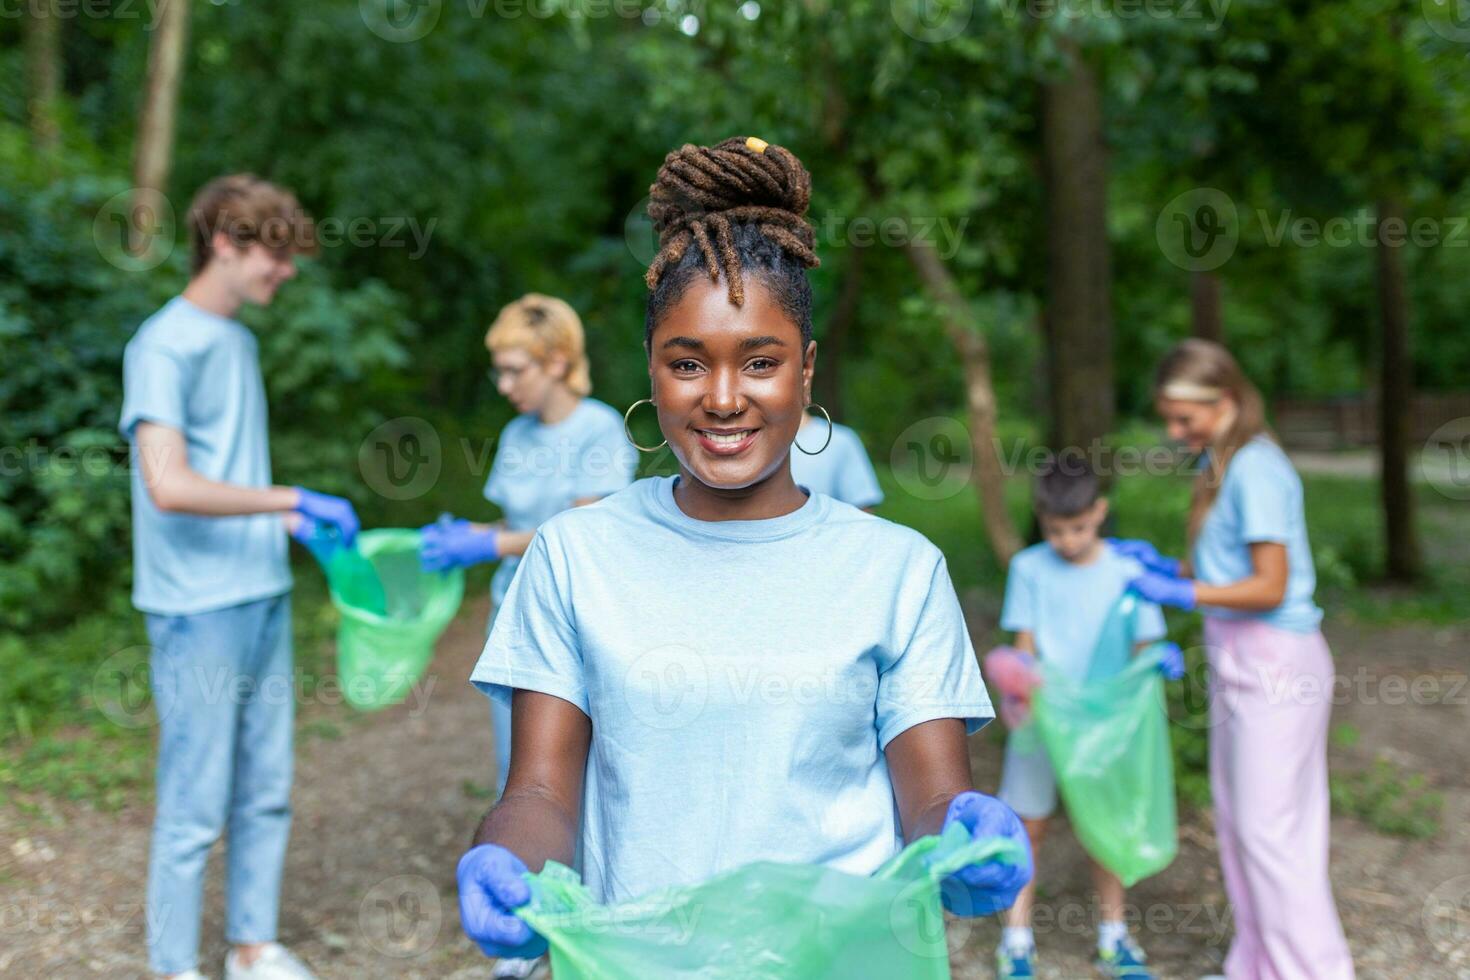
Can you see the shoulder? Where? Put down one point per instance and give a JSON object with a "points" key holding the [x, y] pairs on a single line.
{"points": [[883, 539], [517, 428], [1122, 565], [599, 417], [848, 438], [180, 331], [1262, 459], [597, 519], [1031, 560]]}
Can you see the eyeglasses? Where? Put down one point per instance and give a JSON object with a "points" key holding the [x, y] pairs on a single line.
{"points": [[511, 374]]}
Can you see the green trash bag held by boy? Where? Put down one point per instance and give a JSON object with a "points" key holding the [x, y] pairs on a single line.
{"points": [[1108, 739]]}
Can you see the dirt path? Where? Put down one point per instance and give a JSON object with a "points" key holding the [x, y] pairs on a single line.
{"points": [[383, 812]]}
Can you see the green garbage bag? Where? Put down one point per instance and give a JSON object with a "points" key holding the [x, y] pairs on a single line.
{"points": [[764, 921], [392, 613], [1108, 740]]}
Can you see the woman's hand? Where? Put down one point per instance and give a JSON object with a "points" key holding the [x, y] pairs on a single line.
{"points": [[1146, 555], [490, 887], [456, 544], [990, 886], [1164, 590]]}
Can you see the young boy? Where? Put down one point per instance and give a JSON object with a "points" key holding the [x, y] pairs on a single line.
{"points": [[1058, 594], [211, 577]]}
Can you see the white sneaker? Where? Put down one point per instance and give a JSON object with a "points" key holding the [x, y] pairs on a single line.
{"points": [[515, 969], [275, 962]]}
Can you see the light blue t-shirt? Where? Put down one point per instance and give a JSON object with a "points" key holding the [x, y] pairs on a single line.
{"points": [[199, 373], [1063, 605], [742, 677], [540, 469], [842, 470], [1260, 499]]}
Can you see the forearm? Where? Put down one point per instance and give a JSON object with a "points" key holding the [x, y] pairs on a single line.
{"points": [[1258, 593], [512, 543], [930, 818], [186, 492], [532, 825]]}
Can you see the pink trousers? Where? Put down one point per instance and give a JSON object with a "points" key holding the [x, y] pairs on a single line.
{"points": [[1270, 703]]}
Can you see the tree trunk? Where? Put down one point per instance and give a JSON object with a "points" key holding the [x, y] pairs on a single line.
{"points": [[1206, 307], [1396, 389], [835, 331], [43, 71], [153, 157], [969, 342], [1078, 314]]}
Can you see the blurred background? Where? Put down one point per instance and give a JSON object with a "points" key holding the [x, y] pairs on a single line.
{"points": [[1018, 203]]}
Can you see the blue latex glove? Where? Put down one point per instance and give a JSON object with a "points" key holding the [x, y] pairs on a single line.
{"points": [[490, 885], [327, 509], [1172, 663], [322, 540], [1165, 590], [455, 544], [984, 889], [1146, 555]]}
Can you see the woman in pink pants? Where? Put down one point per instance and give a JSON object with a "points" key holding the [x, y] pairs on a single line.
{"points": [[1250, 572]]}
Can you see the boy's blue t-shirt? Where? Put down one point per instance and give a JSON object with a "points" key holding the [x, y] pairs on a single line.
{"points": [[842, 470], [742, 677], [1064, 605], [540, 469], [199, 373], [1260, 499]]}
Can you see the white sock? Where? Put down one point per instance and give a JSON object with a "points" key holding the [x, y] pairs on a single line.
{"points": [[1110, 934], [1017, 939]]}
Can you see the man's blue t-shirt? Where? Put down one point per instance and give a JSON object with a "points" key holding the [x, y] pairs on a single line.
{"points": [[1064, 605], [1260, 499], [742, 678], [199, 373], [842, 470], [541, 469]]}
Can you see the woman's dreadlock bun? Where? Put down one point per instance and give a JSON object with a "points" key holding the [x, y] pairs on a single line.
{"points": [[728, 210]]}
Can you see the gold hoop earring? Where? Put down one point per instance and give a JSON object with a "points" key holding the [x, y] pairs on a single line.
{"points": [[629, 434], [829, 433]]}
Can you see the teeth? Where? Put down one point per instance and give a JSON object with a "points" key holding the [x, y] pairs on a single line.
{"points": [[725, 438]]}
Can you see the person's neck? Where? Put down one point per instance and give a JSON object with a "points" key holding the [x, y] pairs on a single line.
{"points": [[560, 403], [1092, 553], [211, 294], [775, 496]]}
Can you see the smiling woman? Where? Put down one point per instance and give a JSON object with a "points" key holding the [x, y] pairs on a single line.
{"points": [[718, 668]]}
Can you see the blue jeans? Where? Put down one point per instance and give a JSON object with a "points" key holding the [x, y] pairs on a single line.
{"points": [[222, 688]]}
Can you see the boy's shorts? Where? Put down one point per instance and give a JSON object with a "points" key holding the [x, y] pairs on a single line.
{"points": [[1027, 783]]}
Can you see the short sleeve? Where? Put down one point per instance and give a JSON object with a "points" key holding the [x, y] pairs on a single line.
{"points": [[155, 389], [533, 645], [496, 486], [936, 674], [856, 482], [1018, 612], [1266, 493], [608, 463]]}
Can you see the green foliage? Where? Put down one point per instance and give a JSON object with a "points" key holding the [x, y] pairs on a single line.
{"points": [[1388, 800]]}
